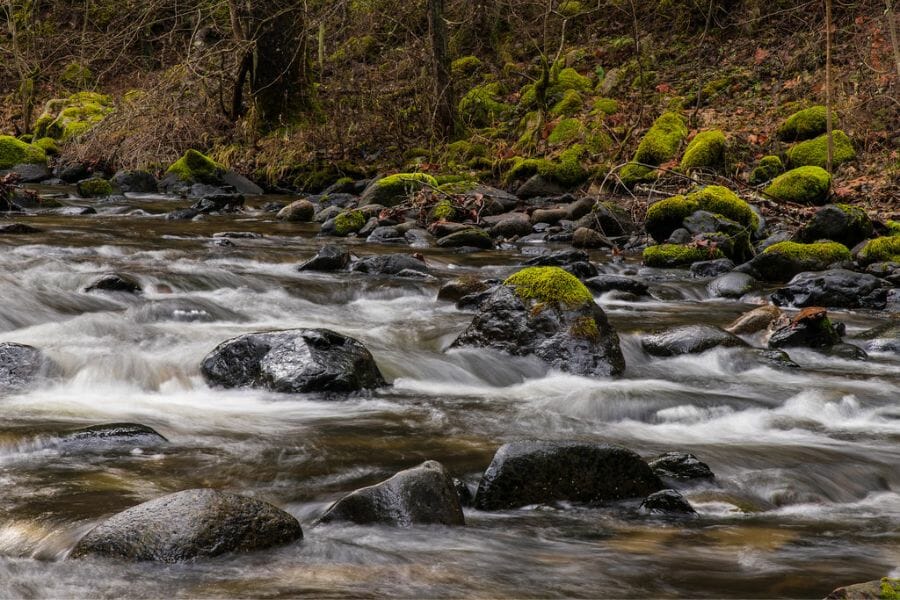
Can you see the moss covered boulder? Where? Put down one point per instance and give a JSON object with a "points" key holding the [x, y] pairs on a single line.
{"points": [[767, 169], [662, 140], [196, 167], [804, 124], [666, 216], [14, 151], [706, 152], [394, 189], [548, 313], [803, 185], [815, 152], [842, 223], [481, 106], [66, 118], [781, 261], [94, 187], [883, 249], [345, 223], [678, 255], [720, 200], [885, 588]]}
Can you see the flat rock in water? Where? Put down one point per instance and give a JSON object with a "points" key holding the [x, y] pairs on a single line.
{"points": [[870, 590], [618, 283], [731, 285], [187, 525], [836, 288], [666, 502], [389, 264], [292, 361], [21, 365], [330, 257], [689, 339], [98, 438], [540, 472], [115, 282], [423, 495], [712, 268]]}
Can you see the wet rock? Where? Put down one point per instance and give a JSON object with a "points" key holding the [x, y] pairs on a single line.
{"points": [[756, 320], [73, 173], [576, 262], [20, 366], [666, 502], [136, 182], [182, 214], [111, 436], [609, 219], [846, 351], [680, 465], [30, 173], [184, 310], [458, 288], [418, 238], [712, 268], [218, 203], [465, 494], [423, 495], [880, 589], [842, 223], [389, 264], [618, 283], [238, 235], [187, 525], [540, 472], [836, 288], [386, 235], [241, 184], [753, 358], [811, 328], [299, 211], [576, 338], [292, 361], [731, 285], [17, 229], [115, 282], [883, 338], [551, 216], [588, 238], [327, 214], [329, 258], [72, 211], [689, 339], [471, 237], [538, 185], [512, 226]]}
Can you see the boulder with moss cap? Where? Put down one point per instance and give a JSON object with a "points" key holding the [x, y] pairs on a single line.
{"points": [[804, 124], [678, 255], [842, 223], [883, 249], [779, 262], [196, 171], [706, 151], [549, 313], [14, 152], [67, 118], [814, 152], [803, 185], [394, 189]]}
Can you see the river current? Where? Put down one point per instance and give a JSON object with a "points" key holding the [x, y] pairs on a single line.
{"points": [[807, 495]]}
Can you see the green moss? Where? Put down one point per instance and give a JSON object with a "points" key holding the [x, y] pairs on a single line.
{"points": [[94, 188], [567, 170], [466, 66], [550, 285], [349, 221], [823, 252], [16, 152], [607, 106], [706, 151], [66, 118], [442, 211], [665, 216], [570, 79], [196, 167], [662, 141], [76, 75], [803, 185], [570, 104], [393, 189], [632, 174], [464, 150], [768, 168], [570, 8], [883, 249], [456, 184], [48, 145], [360, 49], [585, 328], [720, 200], [676, 255], [890, 589], [815, 152], [566, 132], [804, 124], [893, 227], [481, 106]]}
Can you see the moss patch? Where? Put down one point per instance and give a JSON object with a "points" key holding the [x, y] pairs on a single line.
{"points": [[665, 216], [349, 221], [48, 145], [570, 104], [823, 252], [549, 285], [883, 249], [14, 152], [442, 211], [890, 588], [720, 200], [196, 167], [803, 185], [481, 106], [466, 66], [768, 168], [804, 124], [706, 151], [94, 188], [607, 106], [662, 141], [632, 174], [566, 132], [393, 189], [893, 227], [570, 79], [815, 152], [585, 328], [676, 255], [66, 118]]}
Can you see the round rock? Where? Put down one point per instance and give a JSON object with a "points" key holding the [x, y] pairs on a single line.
{"points": [[689, 339]]}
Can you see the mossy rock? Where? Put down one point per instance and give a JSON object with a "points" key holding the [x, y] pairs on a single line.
{"points": [[94, 187], [571, 103], [815, 152], [349, 221], [549, 285], [443, 211], [677, 255], [883, 249], [566, 132], [666, 216], [66, 118], [48, 145], [662, 141], [570, 8], [570, 79], [893, 227], [822, 253], [481, 106], [632, 174], [804, 124], [76, 75], [14, 152], [466, 66], [394, 189], [803, 185], [720, 200], [567, 170], [195, 167], [464, 151], [767, 169], [706, 151], [606, 106]]}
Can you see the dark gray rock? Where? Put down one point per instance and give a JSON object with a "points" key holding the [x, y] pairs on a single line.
{"points": [[537, 186], [115, 282], [389, 264], [30, 173], [680, 465], [618, 283], [666, 502], [329, 258], [846, 351], [471, 237], [327, 214], [512, 226], [689, 339], [423, 495], [238, 235], [298, 211], [753, 358], [385, 235], [292, 361], [588, 238], [73, 173], [136, 182], [577, 340], [540, 472], [845, 224], [884, 338], [241, 184], [576, 262], [188, 525], [17, 229], [182, 214], [836, 288], [418, 238], [111, 436], [551, 216], [810, 329], [20, 366], [219, 203], [456, 289], [712, 268], [731, 285]]}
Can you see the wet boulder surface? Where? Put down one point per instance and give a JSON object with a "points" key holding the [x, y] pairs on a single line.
{"points": [[21, 365], [292, 361], [681, 466], [835, 288], [422, 495], [109, 436], [666, 502], [689, 339], [191, 524]]}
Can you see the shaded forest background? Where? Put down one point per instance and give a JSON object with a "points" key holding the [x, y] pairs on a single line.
{"points": [[299, 94]]}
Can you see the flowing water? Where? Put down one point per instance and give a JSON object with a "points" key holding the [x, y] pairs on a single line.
{"points": [[808, 489]]}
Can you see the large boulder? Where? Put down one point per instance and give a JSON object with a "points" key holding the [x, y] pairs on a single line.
{"points": [[292, 361], [689, 339], [810, 328], [195, 174], [540, 472], [298, 211], [187, 525], [781, 261], [20, 366], [330, 257], [115, 282], [547, 312], [841, 223], [139, 182], [835, 288], [423, 495]]}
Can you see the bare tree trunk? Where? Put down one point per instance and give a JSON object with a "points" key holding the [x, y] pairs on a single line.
{"points": [[445, 114], [828, 99], [892, 27]]}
